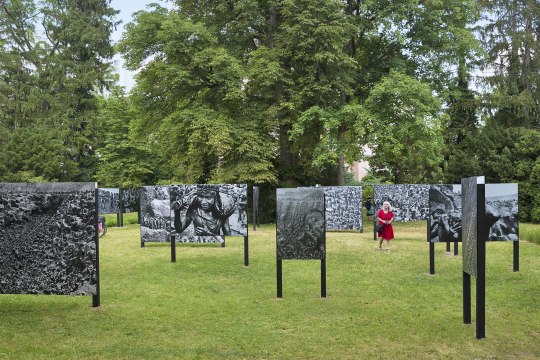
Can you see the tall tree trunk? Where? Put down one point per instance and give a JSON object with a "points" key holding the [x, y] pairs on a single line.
{"points": [[286, 156]]}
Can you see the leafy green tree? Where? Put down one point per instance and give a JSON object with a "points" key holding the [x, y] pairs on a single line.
{"points": [[406, 138]]}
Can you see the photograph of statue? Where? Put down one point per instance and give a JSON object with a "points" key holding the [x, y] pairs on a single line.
{"points": [[155, 214], [207, 213], [409, 201], [108, 200], [300, 224], [48, 239], [343, 207]]}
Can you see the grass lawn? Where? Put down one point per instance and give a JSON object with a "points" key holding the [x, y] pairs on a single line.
{"points": [[208, 305]]}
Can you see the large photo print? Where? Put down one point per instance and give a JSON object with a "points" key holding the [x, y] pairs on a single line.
{"points": [[48, 239], [343, 207], [409, 201], [108, 200], [155, 214], [208, 213], [300, 224]]}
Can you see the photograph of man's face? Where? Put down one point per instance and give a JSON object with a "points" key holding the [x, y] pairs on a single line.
{"points": [[207, 200]]}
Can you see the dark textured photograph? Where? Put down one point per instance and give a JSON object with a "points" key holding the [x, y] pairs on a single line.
{"points": [[108, 201], [343, 207], [502, 212], [155, 214], [409, 201], [48, 238], [469, 198], [445, 213], [207, 213], [131, 199], [300, 228]]}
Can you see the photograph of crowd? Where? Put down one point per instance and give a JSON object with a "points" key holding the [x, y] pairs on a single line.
{"points": [[343, 207], [300, 223], [207, 213], [48, 238], [108, 200], [155, 214], [409, 201]]}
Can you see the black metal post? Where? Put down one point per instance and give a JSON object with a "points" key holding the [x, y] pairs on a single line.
{"points": [[448, 246], [96, 299], [173, 248], [142, 243], [279, 278], [323, 277], [246, 251], [483, 232], [223, 243], [466, 298], [374, 228], [516, 255], [118, 219], [120, 216], [456, 248], [139, 216], [431, 258]]}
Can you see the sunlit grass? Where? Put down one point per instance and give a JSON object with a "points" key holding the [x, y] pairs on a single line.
{"points": [[208, 305]]}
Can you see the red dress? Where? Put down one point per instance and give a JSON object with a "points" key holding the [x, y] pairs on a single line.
{"points": [[388, 232]]}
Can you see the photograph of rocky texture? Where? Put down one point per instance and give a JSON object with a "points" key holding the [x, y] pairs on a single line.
{"points": [[445, 213], [410, 202], [469, 221], [155, 214], [131, 199], [207, 213], [502, 212], [300, 228], [343, 207], [48, 241], [108, 201]]}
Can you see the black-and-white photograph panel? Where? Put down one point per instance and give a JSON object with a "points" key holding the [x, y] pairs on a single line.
{"points": [[343, 207], [48, 238], [445, 213], [300, 223], [108, 200], [131, 199], [502, 212], [155, 214], [469, 216], [207, 213], [410, 202]]}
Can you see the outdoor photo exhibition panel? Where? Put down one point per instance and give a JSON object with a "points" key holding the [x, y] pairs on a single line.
{"points": [[207, 213], [409, 202], [131, 200], [109, 201], [155, 214], [444, 223], [474, 234], [300, 229], [343, 207], [49, 240]]}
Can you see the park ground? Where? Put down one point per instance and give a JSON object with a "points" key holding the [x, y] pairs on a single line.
{"points": [[207, 305]]}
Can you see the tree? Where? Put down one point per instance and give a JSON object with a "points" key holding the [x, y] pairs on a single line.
{"points": [[406, 138]]}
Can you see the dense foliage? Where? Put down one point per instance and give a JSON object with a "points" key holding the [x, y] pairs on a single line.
{"points": [[274, 92]]}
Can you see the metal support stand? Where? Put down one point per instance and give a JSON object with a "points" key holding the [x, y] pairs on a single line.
{"points": [[516, 256], [96, 299], [279, 274], [246, 251], [173, 248], [466, 298], [323, 277], [456, 248], [431, 258]]}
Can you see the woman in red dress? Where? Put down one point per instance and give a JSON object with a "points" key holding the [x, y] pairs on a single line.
{"points": [[385, 217]]}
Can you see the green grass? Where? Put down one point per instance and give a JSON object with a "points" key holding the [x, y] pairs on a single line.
{"points": [[530, 232], [129, 219], [208, 305]]}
